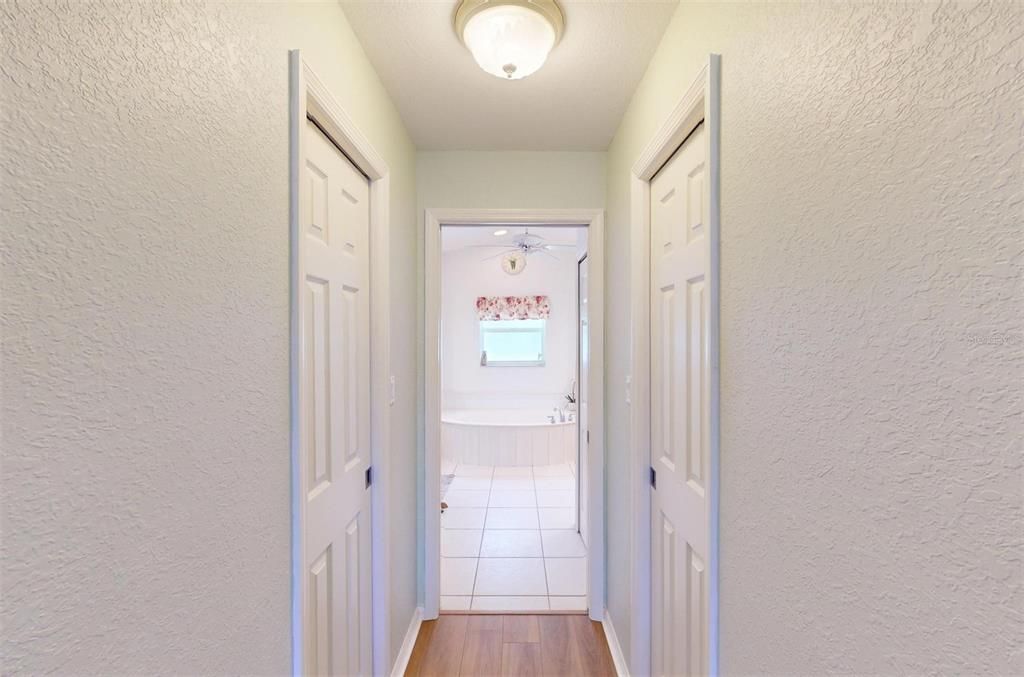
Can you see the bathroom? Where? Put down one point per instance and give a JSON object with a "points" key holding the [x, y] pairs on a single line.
{"points": [[513, 320]]}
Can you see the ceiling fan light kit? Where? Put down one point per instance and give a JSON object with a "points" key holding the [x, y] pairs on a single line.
{"points": [[514, 256], [509, 39], [513, 263]]}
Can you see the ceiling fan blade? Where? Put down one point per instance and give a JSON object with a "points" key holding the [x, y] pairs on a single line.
{"points": [[488, 246], [527, 236], [498, 255], [545, 252]]}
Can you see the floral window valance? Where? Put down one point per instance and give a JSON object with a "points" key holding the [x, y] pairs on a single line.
{"points": [[513, 307]]}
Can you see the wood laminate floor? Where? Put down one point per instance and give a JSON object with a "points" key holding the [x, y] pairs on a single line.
{"points": [[498, 645]]}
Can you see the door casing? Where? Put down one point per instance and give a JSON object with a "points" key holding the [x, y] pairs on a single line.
{"points": [[593, 220], [582, 404], [309, 97], [700, 103]]}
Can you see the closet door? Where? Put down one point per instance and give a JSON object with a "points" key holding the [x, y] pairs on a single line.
{"points": [[334, 405], [680, 412]]}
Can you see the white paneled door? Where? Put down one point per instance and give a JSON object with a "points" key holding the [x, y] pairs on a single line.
{"points": [[334, 406], [680, 412]]}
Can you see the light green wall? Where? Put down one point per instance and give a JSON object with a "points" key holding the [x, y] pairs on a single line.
{"points": [[510, 179], [327, 41], [871, 211]]}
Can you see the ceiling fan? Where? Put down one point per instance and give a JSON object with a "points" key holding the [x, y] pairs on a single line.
{"points": [[526, 243]]}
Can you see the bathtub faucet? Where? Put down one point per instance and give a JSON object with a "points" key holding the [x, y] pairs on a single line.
{"points": [[561, 415]]}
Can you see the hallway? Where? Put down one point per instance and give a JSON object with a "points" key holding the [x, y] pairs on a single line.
{"points": [[281, 281], [479, 645]]}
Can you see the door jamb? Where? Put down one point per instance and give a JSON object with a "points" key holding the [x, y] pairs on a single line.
{"points": [[701, 102], [580, 434], [309, 96], [593, 219]]}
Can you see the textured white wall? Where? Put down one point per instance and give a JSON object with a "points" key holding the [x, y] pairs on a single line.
{"points": [[871, 332], [465, 275], [145, 330]]}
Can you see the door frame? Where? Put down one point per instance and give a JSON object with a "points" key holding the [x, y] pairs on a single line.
{"points": [[309, 96], [593, 220], [700, 103], [579, 371]]}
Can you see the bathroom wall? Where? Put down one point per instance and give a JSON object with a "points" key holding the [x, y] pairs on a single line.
{"points": [[468, 385], [871, 340], [145, 413]]}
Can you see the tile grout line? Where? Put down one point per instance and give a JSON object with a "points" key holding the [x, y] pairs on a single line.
{"points": [[540, 535], [536, 527], [479, 551]]}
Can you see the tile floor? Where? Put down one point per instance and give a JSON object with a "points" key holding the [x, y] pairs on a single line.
{"points": [[508, 540]]}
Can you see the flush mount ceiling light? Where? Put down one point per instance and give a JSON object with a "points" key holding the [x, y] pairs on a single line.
{"points": [[509, 39]]}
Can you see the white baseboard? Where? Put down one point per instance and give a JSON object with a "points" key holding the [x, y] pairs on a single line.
{"points": [[402, 660], [618, 659]]}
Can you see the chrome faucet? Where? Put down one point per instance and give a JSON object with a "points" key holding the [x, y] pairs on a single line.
{"points": [[561, 415]]}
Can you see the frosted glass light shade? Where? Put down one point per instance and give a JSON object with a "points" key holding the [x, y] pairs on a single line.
{"points": [[509, 41]]}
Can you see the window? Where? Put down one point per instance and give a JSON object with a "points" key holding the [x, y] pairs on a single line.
{"points": [[512, 343]]}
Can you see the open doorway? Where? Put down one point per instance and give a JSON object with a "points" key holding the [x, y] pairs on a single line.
{"points": [[511, 469], [510, 527]]}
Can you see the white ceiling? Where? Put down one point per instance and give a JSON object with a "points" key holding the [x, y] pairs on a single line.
{"points": [[575, 102], [461, 237]]}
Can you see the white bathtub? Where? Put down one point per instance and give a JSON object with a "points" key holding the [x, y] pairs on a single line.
{"points": [[506, 437]]}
